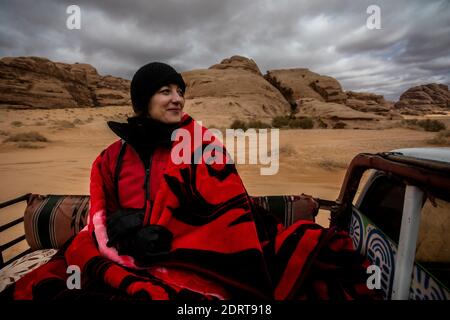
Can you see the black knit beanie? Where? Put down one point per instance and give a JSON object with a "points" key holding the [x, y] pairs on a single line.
{"points": [[148, 79]]}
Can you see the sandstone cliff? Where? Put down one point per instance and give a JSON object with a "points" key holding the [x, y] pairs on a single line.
{"points": [[32, 82], [233, 89], [307, 84], [429, 98]]}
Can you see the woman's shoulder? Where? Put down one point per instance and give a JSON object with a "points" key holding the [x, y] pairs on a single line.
{"points": [[186, 120], [189, 123], [113, 149]]}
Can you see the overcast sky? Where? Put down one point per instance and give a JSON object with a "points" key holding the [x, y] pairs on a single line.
{"points": [[329, 37]]}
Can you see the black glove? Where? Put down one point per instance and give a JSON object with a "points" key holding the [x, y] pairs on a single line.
{"points": [[147, 244], [122, 224]]}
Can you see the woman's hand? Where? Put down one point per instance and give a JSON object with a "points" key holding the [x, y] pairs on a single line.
{"points": [[149, 243], [122, 224]]}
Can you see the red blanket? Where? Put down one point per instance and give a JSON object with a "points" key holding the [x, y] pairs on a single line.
{"points": [[216, 252]]}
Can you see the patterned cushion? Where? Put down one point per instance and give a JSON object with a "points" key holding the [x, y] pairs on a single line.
{"points": [[18, 268], [288, 209], [51, 220]]}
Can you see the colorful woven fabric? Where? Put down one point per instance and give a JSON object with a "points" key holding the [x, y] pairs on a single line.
{"points": [[216, 251], [51, 220], [20, 267]]}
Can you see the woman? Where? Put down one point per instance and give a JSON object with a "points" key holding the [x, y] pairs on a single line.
{"points": [[160, 212], [161, 229], [141, 156]]}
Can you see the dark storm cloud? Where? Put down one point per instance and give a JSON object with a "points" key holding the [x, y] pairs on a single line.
{"points": [[328, 37]]}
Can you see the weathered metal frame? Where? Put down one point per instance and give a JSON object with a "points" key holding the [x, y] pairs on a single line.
{"points": [[10, 224], [421, 177], [431, 176]]}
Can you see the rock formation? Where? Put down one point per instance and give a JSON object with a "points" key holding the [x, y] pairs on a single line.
{"points": [[238, 62], [233, 89], [328, 114], [307, 84], [369, 102], [32, 82], [429, 98]]}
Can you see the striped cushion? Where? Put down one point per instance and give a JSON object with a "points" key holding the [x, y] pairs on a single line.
{"points": [[288, 209], [51, 220]]}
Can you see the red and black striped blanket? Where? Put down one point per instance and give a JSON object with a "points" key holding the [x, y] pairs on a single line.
{"points": [[216, 251]]}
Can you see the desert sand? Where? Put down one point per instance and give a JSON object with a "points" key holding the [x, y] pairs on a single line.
{"points": [[311, 161]]}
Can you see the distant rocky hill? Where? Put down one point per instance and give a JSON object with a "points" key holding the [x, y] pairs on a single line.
{"points": [[311, 88], [307, 84], [370, 102], [323, 99], [32, 82], [238, 62], [233, 89], [428, 98], [333, 111]]}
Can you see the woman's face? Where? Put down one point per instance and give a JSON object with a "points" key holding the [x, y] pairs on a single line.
{"points": [[166, 104]]}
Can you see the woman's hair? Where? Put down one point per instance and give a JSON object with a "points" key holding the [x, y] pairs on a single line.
{"points": [[148, 79]]}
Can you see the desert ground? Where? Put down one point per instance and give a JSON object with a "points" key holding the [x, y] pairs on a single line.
{"points": [[312, 161]]}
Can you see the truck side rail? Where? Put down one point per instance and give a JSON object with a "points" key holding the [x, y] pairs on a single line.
{"points": [[433, 176]]}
